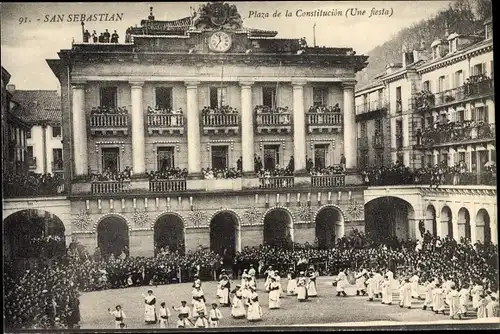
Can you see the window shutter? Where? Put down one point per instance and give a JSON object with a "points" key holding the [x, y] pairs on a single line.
{"points": [[486, 116], [473, 114], [468, 160], [483, 68], [472, 71]]}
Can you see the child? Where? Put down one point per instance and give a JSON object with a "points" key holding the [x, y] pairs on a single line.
{"points": [[201, 321], [183, 321], [214, 316], [118, 314], [164, 315]]}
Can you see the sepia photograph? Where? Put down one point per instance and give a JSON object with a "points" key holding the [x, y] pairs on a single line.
{"points": [[248, 165]]}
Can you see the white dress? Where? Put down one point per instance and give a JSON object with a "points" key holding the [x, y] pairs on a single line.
{"points": [[476, 292], [464, 296], [370, 282], [406, 300], [428, 294], [376, 287], [311, 286], [254, 310], [301, 289], [453, 301], [238, 309], [223, 292], [341, 281], [414, 286], [386, 292], [274, 296], [360, 281], [291, 285], [438, 300], [149, 309]]}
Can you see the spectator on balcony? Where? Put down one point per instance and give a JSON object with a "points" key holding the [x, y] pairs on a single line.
{"points": [[114, 37], [239, 164], [101, 38], [309, 164], [257, 161], [419, 137], [106, 36], [86, 36], [291, 164], [94, 37], [343, 161]]}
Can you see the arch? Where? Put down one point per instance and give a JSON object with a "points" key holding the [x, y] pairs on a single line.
{"points": [[431, 220], [114, 214], [278, 226], [483, 227], [168, 230], [112, 235], [329, 221], [225, 233], [446, 221], [464, 228], [389, 217], [32, 234]]}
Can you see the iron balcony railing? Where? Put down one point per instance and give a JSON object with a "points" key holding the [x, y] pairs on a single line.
{"points": [[378, 141], [267, 119], [108, 121], [372, 106], [220, 120], [165, 121], [328, 180], [109, 187], [438, 136], [274, 182], [464, 92], [314, 118], [167, 185]]}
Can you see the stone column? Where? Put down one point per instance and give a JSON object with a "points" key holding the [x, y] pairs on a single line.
{"points": [[193, 129], [299, 128], [138, 141], [247, 128], [350, 133], [80, 154]]}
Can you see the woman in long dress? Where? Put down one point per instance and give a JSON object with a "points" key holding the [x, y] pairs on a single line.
{"points": [[386, 292], [464, 296], [312, 291], [481, 306], [301, 287], [453, 301], [274, 294], [476, 292], [406, 301], [198, 300], [254, 310], [438, 299], [291, 285], [224, 287], [269, 273], [245, 290], [238, 309], [150, 308]]}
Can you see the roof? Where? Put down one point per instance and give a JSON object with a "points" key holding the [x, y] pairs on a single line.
{"points": [[35, 106]]}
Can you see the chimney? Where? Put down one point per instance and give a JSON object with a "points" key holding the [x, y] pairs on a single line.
{"points": [[418, 53], [407, 58], [11, 88], [446, 30]]}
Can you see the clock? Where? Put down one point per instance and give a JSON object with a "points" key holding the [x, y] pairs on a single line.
{"points": [[220, 41]]}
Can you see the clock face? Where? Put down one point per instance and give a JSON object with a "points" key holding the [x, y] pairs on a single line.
{"points": [[220, 42]]}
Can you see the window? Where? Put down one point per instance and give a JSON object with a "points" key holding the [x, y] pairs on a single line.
{"points": [[111, 159], [28, 134], [362, 129], [379, 159], [165, 158], [488, 32], [219, 157], [218, 97], [441, 84], [460, 115], [443, 158], [478, 69], [163, 97], [481, 114], [271, 156], [459, 78], [399, 101], [108, 97], [56, 131], [493, 155], [57, 158], [378, 126], [320, 96], [269, 96], [380, 94], [321, 155], [427, 85], [461, 156], [29, 153]]}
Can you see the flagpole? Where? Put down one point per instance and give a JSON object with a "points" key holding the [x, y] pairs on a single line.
{"points": [[314, 34]]}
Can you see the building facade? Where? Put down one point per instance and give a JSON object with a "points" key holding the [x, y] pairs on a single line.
{"points": [[159, 101], [436, 110]]}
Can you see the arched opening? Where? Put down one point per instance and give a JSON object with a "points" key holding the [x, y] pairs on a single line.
{"points": [[388, 218], [224, 235], [169, 234], [329, 227], [430, 220], [278, 228], [112, 236], [483, 229], [31, 235], [464, 228], [446, 222]]}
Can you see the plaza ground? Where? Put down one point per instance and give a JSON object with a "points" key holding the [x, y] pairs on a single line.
{"points": [[326, 309]]}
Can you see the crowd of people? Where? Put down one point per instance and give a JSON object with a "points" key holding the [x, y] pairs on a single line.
{"points": [[446, 131], [220, 173], [173, 173], [103, 37], [218, 110], [322, 108], [32, 185], [110, 175], [157, 110], [331, 170], [108, 110]]}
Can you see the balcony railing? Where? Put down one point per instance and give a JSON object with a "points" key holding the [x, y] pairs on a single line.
{"points": [[371, 106], [167, 185], [274, 121], [170, 123], [378, 141], [363, 143], [274, 182], [324, 118], [222, 120], [464, 92], [463, 179], [109, 187], [432, 137], [328, 181], [109, 123], [58, 165]]}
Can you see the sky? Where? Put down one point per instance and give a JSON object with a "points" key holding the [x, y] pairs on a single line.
{"points": [[27, 40]]}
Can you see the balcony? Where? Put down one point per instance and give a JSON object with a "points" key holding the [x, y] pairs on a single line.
{"points": [[276, 182], [363, 143], [473, 89], [220, 123], [160, 124], [274, 123], [31, 163], [109, 124], [328, 181], [378, 141], [165, 186], [463, 179], [371, 109], [109, 187], [463, 134], [328, 122], [58, 166]]}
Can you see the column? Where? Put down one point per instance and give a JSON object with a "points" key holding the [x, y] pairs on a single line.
{"points": [[350, 134], [406, 140], [80, 156], [138, 141], [299, 127], [193, 128], [247, 138]]}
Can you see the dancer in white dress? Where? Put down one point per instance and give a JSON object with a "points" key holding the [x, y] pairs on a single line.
{"points": [[238, 309], [453, 301], [406, 289], [150, 308], [268, 273], [387, 291], [301, 287], [198, 299], [464, 296], [245, 290], [254, 312], [312, 290], [360, 282], [438, 299], [274, 294], [428, 302], [414, 286], [223, 289], [292, 283], [341, 283]]}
